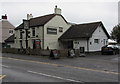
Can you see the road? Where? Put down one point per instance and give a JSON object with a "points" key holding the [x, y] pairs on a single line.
{"points": [[36, 69]]}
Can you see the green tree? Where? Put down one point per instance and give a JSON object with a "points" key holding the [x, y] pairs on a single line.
{"points": [[115, 34]]}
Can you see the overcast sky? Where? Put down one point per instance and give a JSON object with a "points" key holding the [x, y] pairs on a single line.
{"points": [[74, 11]]}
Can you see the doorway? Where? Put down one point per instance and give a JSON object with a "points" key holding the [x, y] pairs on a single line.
{"points": [[70, 44], [34, 45]]}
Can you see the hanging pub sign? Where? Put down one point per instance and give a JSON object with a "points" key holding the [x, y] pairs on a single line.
{"points": [[26, 24]]}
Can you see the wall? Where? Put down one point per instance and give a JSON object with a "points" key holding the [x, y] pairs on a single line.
{"points": [[11, 45], [80, 43], [51, 40], [17, 42], [0, 32], [35, 52], [98, 34], [6, 27], [38, 31]]}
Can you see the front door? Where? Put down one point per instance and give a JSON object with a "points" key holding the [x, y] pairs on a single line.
{"points": [[70, 44], [34, 45]]}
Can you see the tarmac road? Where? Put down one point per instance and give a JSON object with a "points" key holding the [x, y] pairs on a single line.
{"points": [[30, 69]]}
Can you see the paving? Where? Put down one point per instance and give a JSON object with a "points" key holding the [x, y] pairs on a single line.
{"points": [[92, 68]]}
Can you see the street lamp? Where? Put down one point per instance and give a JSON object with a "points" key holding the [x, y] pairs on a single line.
{"points": [[26, 27]]}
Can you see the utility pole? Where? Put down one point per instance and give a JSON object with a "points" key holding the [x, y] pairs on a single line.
{"points": [[26, 27]]}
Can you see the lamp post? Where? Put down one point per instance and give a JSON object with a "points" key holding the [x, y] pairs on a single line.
{"points": [[26, 27]]}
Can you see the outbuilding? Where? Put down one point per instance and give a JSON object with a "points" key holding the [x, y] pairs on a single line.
{"points": [[90, 36]]}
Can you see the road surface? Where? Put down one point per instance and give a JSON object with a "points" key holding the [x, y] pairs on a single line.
{"points": [[31, 70]]}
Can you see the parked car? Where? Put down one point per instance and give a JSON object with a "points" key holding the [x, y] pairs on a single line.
{"points": [[110, 49], [118, 46]]}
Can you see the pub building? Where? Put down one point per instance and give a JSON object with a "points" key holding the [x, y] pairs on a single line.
{"points": [[52, 31]]}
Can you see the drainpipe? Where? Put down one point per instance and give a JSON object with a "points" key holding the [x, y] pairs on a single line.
{"points": [[43, 38]]}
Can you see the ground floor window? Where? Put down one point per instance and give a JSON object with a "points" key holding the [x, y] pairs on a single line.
{"points": [[96, 40], [21, 44]]}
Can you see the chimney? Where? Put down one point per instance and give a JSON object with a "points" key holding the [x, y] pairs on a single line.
{"points": [[4, 17], [57, 10], [29, 16]]}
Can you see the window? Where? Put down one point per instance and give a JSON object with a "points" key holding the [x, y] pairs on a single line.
{"points": [[90, 43], [51, 31], [20, 34], [104, 41], [11, 31], [33, 31], [96, 40], [60, 29], [76, 42]]}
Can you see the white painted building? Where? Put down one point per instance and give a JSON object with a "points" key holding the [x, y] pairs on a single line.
{"points": [[91, 36], [43, 31], [6, 29], [54, 32]]}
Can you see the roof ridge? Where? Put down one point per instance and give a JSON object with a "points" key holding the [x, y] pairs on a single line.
{"points": [[43, 16], [89, 23]]}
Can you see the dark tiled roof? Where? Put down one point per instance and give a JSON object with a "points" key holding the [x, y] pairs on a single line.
{"points": [[19, 27], [39, 21], [10, 39], [81, 31]]}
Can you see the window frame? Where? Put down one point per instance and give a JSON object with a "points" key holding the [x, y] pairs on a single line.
{"points": [[11, 31], [51, 29], [60, 29], [96, 41]]}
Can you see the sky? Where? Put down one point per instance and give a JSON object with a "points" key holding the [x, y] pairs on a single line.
{"points": [[74, 11]]}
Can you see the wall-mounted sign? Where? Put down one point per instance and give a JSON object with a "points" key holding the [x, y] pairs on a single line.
{"points": [[51, 31], [38, 43], [26, 24]]}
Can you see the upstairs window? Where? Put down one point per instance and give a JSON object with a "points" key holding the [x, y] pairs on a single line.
{"points": [[11, 31], [60, 29], [96, 40], [51, 31], [21, 34]]}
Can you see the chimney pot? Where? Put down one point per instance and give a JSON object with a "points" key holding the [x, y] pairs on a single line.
{"points": [[29, 16], [4, 16], [57, 10]]}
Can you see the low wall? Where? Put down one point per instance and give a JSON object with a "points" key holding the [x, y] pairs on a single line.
{"points": [[64, 53], [9, 50], [40, 52]]}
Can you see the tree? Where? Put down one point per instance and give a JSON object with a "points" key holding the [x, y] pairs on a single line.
{"points": [[115, 34]]}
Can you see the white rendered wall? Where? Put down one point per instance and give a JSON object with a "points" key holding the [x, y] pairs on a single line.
{"points": [[51, 40], [98, 34], [80, 43]]}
